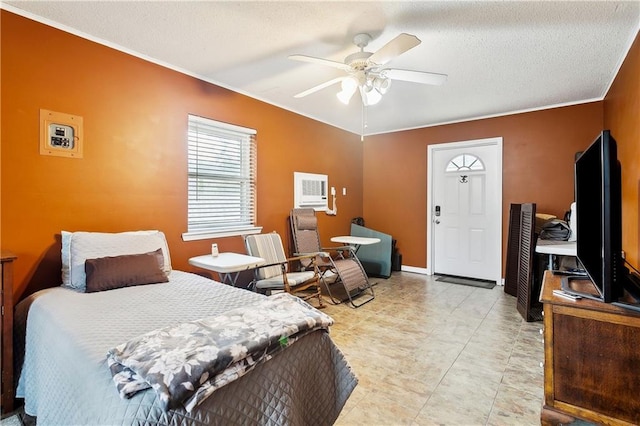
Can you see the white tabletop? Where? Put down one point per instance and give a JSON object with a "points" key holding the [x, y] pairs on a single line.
{"points": [[227, 262], [560, 248], [351, 239]]}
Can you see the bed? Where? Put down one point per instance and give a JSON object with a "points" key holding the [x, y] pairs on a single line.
{"points": [[65, 378]]}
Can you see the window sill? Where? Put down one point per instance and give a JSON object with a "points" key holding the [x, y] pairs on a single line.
{"points": [[204, 235]]}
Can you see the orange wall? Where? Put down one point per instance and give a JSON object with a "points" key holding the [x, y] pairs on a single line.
{"points": [[133, 174], [622, 117], [538, 153]]}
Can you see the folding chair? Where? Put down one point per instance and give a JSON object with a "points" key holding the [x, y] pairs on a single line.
{"points": [[274, 274], [341, 272]]}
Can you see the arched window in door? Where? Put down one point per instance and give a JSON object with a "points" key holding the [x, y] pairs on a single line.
{"points": [[465, 162]]}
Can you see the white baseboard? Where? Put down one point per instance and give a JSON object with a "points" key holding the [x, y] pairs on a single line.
{"points": [[414, 269]]}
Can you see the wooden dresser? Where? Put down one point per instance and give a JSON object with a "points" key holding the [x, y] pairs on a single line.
{"points": [[592, 360], [8, 391]]}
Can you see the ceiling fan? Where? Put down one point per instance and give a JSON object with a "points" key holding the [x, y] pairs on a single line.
{"points": [[366, 71]]}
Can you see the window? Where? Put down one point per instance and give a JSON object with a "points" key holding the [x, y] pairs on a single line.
{"points": [[222, 180], [465, 162]]}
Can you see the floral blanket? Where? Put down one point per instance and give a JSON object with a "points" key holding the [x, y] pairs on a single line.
{"points": [[186, 363]]}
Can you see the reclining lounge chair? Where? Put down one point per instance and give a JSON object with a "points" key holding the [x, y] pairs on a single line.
{"points": [[341, 272]]}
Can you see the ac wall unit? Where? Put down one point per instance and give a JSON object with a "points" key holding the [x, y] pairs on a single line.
{"points": [[310, 190]]}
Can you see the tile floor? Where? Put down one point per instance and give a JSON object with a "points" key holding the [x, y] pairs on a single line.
{"points": [[433, 353]]}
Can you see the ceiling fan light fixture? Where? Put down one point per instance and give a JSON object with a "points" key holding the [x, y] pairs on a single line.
{"points": [[370, 96], [345, 96], [382, 84], [366, 71], [349, 86]]}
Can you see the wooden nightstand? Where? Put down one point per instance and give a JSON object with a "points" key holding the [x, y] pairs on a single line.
{"points": [[8, 390]]}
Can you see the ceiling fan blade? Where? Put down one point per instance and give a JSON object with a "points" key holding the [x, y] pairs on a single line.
{"points": [[395, 47], [320, 61], [319, 87], [415, 76]]}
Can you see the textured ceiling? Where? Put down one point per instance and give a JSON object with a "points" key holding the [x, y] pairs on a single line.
{"points": [[500, 57]]}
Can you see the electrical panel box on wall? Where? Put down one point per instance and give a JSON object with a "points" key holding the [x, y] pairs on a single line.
{"points": [[60, 134]]}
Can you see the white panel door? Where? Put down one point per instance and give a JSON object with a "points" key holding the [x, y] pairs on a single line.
{"points": [[466, 212]]}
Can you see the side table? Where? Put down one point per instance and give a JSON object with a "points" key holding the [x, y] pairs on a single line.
{"points": [[355, 242], [556, 248], [227, 265]]}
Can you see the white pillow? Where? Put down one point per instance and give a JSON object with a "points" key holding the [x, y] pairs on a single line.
{"points": [[77, 247]]}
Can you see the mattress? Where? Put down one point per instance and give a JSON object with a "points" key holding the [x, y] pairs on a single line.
{"points": [[65, 378]]}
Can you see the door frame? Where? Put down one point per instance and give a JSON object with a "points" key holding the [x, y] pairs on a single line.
{"points": [[496, 141]]}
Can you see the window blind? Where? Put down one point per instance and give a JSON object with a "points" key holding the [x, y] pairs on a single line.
{"points": [[222, 177]]}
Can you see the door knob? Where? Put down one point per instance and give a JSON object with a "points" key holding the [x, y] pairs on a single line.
{"points": [[437, 221]]}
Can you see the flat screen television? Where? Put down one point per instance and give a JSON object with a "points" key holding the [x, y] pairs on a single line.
{"points": [[599, 217]]}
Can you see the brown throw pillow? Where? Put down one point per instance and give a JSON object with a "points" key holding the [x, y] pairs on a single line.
{"points": [[108, 273]]}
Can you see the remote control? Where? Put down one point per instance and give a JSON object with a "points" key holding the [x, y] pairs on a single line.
{"points": [[578, 274]]}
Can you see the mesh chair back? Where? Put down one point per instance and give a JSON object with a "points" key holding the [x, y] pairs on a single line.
{"points": [[304, 229]]}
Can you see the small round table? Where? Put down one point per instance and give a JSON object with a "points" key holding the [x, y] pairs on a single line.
{"points": [[354, 241]]}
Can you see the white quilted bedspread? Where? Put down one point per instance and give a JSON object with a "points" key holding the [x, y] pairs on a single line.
{"points": [[65, 379]]}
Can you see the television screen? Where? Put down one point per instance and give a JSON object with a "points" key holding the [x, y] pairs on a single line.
{"points": [[599, 221]]}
